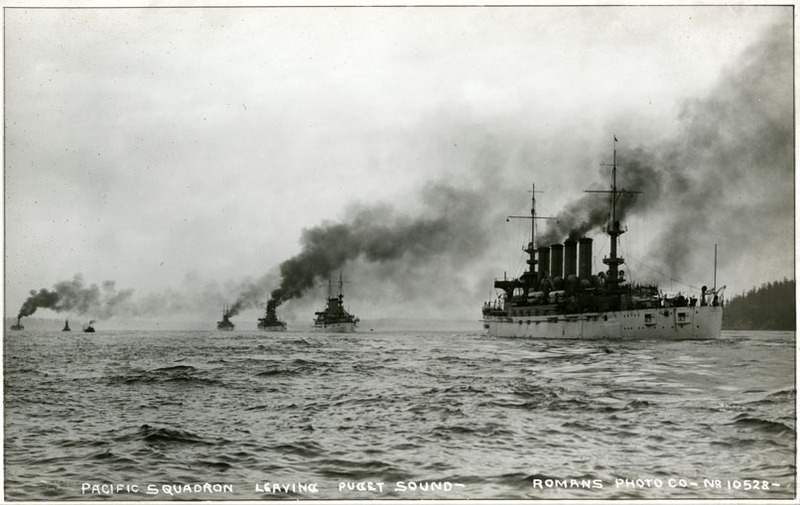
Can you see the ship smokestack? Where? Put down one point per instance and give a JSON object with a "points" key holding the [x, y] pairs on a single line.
{"points": [[570, 257], [544, 262], [556, 260], [585, 258]]}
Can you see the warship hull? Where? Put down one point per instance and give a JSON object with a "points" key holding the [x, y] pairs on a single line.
{"points": [[225, 324], [345, 327], [274, 327], [335, 319], [684, 323], [559, 296], [270, 321]]}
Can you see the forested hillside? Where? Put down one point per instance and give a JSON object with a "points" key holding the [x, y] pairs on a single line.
{"points": [[770, 307]]}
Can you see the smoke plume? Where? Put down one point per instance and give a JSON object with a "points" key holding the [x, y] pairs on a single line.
{"points": [[729, 171], [74, 296], [252, 294], [450, 225]]}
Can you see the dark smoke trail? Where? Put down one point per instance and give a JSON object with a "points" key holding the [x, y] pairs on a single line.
{"points": [[451, 225], [74, 296], [252, 294], [728, 172], [641, 185]]}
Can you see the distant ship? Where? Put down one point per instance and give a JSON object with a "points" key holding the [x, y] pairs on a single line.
{"points": [[560, 301], [225, 324], [18, 326], [66, 326], [335, 318], [270, 321], [89, 328]]}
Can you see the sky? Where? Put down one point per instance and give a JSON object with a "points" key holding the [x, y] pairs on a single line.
{"points": [[160, 163]]}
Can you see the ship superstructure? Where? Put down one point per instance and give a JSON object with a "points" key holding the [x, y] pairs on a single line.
{"points": [[335, 318], [563, 299], [225, 324], [270, 321]]}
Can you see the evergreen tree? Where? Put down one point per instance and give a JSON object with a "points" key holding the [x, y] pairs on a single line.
{"points": [[769, 307]]}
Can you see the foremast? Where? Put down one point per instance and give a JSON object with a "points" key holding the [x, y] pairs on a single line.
{"points": [[529, 278]]}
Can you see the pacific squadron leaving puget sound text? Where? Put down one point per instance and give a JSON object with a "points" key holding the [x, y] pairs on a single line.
{"points": [[173, 490]]}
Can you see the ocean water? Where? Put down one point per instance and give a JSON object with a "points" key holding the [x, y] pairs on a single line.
{"points": [[399, 415]]}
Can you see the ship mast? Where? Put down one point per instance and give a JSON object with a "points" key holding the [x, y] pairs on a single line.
{"points": [[531, 249], [533, 215], [532, 245], [613, 229], [715, 268]]}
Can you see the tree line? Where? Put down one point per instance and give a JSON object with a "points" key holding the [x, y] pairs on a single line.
{"points": [[769, 307]]}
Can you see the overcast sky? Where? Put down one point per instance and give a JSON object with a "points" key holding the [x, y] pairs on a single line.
{"points": [[181, 153]]}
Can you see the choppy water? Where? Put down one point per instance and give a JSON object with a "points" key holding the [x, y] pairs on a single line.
{"points": [[216, 416]]}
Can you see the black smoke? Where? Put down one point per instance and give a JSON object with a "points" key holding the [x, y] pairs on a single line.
{"points": [[76, 297], [450, 224], [252, 293], [729, 171], [727, 176]]}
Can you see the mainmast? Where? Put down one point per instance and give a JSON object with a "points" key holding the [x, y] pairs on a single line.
{"points": [[613, 229]]}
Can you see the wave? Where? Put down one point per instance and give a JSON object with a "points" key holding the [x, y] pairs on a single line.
{"points": [[276, 371], [763, 425], [780, 397], [303, 449], [357, 469], [184, 374], [154, 435]]}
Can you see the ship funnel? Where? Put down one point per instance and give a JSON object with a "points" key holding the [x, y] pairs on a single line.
{"points": [[585, 258], [544, 262], [556, 260], [570, 257]]}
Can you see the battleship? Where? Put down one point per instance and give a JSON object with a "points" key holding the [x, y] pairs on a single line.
{"points": [[225, 324], [270, 321], [18, 326], [562, 299], [335, 318], [89, 328], [66, 326]]}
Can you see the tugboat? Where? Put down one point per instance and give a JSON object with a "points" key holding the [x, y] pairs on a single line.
{"points": [[66, 326], [18, 326], [560, 301], [335, 318], [89, 328], [225, 324], [270, 321]]}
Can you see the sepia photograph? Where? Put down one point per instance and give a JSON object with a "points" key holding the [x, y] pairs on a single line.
{"points": [[450, 252]]}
